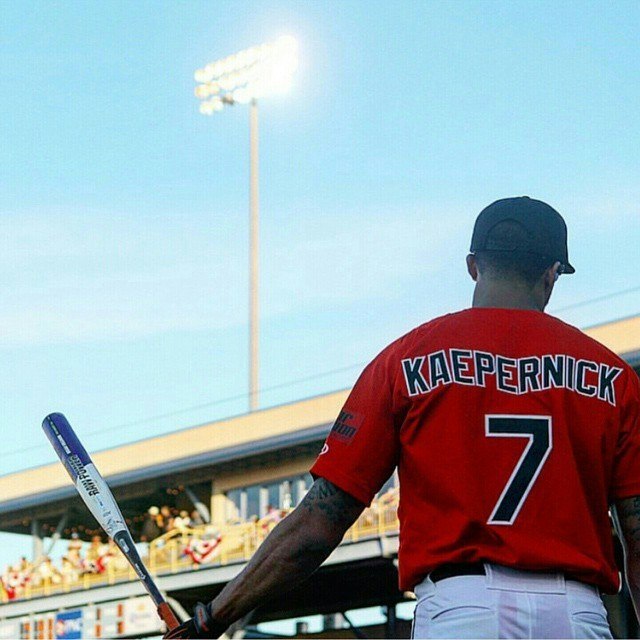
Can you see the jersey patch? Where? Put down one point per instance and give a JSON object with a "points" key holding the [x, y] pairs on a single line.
{"points": [[346, 426]]}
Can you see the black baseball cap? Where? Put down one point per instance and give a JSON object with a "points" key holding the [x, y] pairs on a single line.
{"points": [[546, 230]]}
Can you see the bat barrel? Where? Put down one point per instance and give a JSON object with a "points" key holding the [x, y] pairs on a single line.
{"points": [[65, 442]]}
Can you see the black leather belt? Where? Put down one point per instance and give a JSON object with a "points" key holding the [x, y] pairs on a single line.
{"points": [[457, 569]]}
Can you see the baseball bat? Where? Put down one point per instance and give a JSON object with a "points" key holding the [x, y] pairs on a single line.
{"points": [[96, 494]]}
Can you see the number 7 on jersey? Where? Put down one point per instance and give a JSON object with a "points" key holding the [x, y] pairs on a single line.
{"points": [[538, 430]]}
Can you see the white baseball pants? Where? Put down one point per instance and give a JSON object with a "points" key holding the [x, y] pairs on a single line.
{"points": [[506, 603]]}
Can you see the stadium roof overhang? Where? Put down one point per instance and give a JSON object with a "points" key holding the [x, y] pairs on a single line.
{"points": [[191, 455], [621, 336]]}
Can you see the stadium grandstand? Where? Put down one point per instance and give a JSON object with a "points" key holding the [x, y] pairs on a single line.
{"points": [[199, 502]]}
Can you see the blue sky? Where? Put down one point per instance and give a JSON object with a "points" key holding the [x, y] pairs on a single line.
{"points": [[123, 211]]}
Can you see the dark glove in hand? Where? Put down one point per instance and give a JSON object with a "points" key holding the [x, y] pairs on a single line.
{"points": [[202, 625]]}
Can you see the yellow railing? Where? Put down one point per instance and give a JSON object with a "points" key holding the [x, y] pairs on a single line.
{"points": [[238, 542]]}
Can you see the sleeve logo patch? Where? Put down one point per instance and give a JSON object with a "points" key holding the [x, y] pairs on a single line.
{"points": [[346, 426]]}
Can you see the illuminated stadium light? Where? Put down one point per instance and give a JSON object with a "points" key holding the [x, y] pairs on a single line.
{"points": [[253, 73], [242, 78]]}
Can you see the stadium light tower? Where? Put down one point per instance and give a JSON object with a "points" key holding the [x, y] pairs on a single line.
{"points": [[242, 78]]}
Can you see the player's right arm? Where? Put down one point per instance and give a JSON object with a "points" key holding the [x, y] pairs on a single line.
{"points": [[625, 490], [297, 546], [628, 511], [292, 552]]}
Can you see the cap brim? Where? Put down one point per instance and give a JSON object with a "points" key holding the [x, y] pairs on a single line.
{"points": [[568, 268]]}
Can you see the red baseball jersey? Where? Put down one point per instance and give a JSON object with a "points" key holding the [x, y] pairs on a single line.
{"points": [[512, 432]]}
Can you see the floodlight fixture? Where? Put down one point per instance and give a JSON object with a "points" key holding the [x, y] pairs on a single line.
{"points": [[259, 71]]}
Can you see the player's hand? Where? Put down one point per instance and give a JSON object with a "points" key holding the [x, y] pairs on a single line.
{"points": [[202, 625]]}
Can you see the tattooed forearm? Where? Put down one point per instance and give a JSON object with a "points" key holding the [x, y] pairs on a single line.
{"points": [[629, 516], [340, 508], [292, 552], [628, 512]]}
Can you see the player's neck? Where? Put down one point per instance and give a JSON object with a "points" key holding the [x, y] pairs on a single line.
{"points": [[506, 296]]}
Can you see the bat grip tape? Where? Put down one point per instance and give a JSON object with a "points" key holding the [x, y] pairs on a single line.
{"points": [[166, 613]]}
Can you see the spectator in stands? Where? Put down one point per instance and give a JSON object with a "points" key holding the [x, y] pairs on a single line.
{"points": [[91, 564], [69, 572], [9, 583], [182, 521], [47, 572], [15, 579], [196, 518], [272, 517], [25, 566], [74, 549], [4, 584], [166, 518], [101, 554], [13, 582], [150, 527]]}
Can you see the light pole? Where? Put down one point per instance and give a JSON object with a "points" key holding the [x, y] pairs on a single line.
{"points": [[254, 351], [241, 79]]}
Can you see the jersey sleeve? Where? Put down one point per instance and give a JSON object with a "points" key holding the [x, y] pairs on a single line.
{"points": [[626, 477], [361, 450]]}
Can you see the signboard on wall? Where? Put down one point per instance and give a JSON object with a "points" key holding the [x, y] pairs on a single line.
{"points": [[9, 629], [132, 617], [140, 617], [68, 625]]}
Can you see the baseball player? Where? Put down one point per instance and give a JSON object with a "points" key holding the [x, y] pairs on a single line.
{"points": [[512, 432]]}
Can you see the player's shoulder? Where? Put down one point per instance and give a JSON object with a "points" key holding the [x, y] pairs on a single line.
{"points": [[580, 336], [589, 346]]}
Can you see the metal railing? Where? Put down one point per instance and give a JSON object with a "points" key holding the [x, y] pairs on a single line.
{"points": [[237, 543]]}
